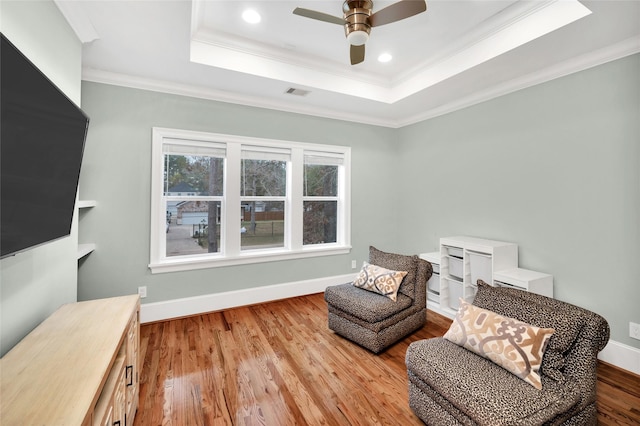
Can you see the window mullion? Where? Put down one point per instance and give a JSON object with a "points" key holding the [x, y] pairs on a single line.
{"points": [[231, 207], [344, 197], [296, 206]]}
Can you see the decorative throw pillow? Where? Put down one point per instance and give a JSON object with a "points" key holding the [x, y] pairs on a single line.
{"points": [[397, 262], [513, 345], [567, 320], [380, 280]]}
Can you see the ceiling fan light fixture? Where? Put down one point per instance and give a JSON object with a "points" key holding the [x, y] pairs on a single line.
{"points": [[358, 19], [357, 38]]}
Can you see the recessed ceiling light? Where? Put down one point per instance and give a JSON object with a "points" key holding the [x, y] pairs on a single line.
{"points": [[251, 16], [385, 57]]}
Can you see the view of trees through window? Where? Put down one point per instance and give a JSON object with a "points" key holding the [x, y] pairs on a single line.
{"points": [[244, 199], [189, 222], [263, 187], [190, 181], [320, 205]]}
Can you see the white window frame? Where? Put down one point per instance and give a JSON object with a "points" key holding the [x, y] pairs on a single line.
{"points": [[326, 158], [230, 252], [271, 153]]}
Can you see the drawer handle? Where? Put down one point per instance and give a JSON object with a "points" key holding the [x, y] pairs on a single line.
{"points": [[130, 377], [116, 423]]}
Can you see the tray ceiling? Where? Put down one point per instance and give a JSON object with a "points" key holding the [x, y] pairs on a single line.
{"points": [[455, 54]]}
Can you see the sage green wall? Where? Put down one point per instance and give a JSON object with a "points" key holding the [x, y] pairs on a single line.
{"points": [[554, 168], [35, 283], [116, 172]]}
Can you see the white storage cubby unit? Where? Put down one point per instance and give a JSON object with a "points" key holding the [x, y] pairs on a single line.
{"points": [[433, 285], [465, 260], [523, 279], [462, 261]]}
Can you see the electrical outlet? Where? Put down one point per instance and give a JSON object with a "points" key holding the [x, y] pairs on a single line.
{"points": [[142, 291], [354, 265], [634, 330]]}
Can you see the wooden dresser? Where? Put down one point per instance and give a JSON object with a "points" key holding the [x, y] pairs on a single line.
{"points": [[79, 367]]}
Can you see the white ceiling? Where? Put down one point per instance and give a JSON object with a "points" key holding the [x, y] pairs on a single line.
{"points": [[455, 54]]}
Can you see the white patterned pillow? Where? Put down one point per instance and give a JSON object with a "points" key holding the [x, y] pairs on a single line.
{"points": [[380, 280], [516, 346]]}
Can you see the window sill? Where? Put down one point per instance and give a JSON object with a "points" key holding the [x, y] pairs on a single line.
{"points": [[257, 256]]}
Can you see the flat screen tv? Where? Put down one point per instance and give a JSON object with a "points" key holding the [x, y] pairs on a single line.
{"points": [[42, 136]]}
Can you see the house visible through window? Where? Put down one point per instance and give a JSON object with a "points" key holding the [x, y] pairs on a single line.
{"points": [[220, 200]]}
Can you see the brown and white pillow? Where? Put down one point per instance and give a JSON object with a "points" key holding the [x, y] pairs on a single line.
{"points": [[380, 280], [512, 344], [397, 262]]}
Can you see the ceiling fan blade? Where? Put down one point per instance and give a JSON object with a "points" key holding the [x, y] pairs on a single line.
{"points": [[397, 11], [357, 54], [319, 16]]}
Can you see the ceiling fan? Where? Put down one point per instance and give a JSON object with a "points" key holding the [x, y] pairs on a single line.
{"points": [[358, 20]]}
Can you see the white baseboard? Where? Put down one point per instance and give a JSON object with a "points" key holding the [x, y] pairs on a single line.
{"points": [[622, 356], [437, 308], [160, 311], [615, 353]]}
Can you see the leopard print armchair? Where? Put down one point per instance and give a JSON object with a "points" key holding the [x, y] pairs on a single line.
{"points": [[373, 320], [450, 385]]}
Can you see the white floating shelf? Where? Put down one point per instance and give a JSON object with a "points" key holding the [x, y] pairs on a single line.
{"points": [[83, 204], [85, 249]]}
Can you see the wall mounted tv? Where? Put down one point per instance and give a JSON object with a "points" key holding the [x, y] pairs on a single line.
{"points": [[42, 136]]}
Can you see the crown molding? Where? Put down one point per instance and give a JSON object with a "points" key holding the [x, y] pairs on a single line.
{"points": [[216, 55], [492, 27], [519, 26], [134, 82], [516, 25], [289, 57], [618, 51]]}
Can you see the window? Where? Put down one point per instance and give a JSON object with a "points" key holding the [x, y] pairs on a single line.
{"points": [[263, 196], [320, 198], [220, 200], [193, 190]]}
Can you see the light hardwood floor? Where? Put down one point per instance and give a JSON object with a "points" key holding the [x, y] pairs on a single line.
{"points": [[278, 364]]}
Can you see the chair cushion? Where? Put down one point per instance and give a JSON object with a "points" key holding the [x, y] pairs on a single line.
{"points": [[482, 390], [397, 262], [567, 320], [363, 304], [512, 344]]}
